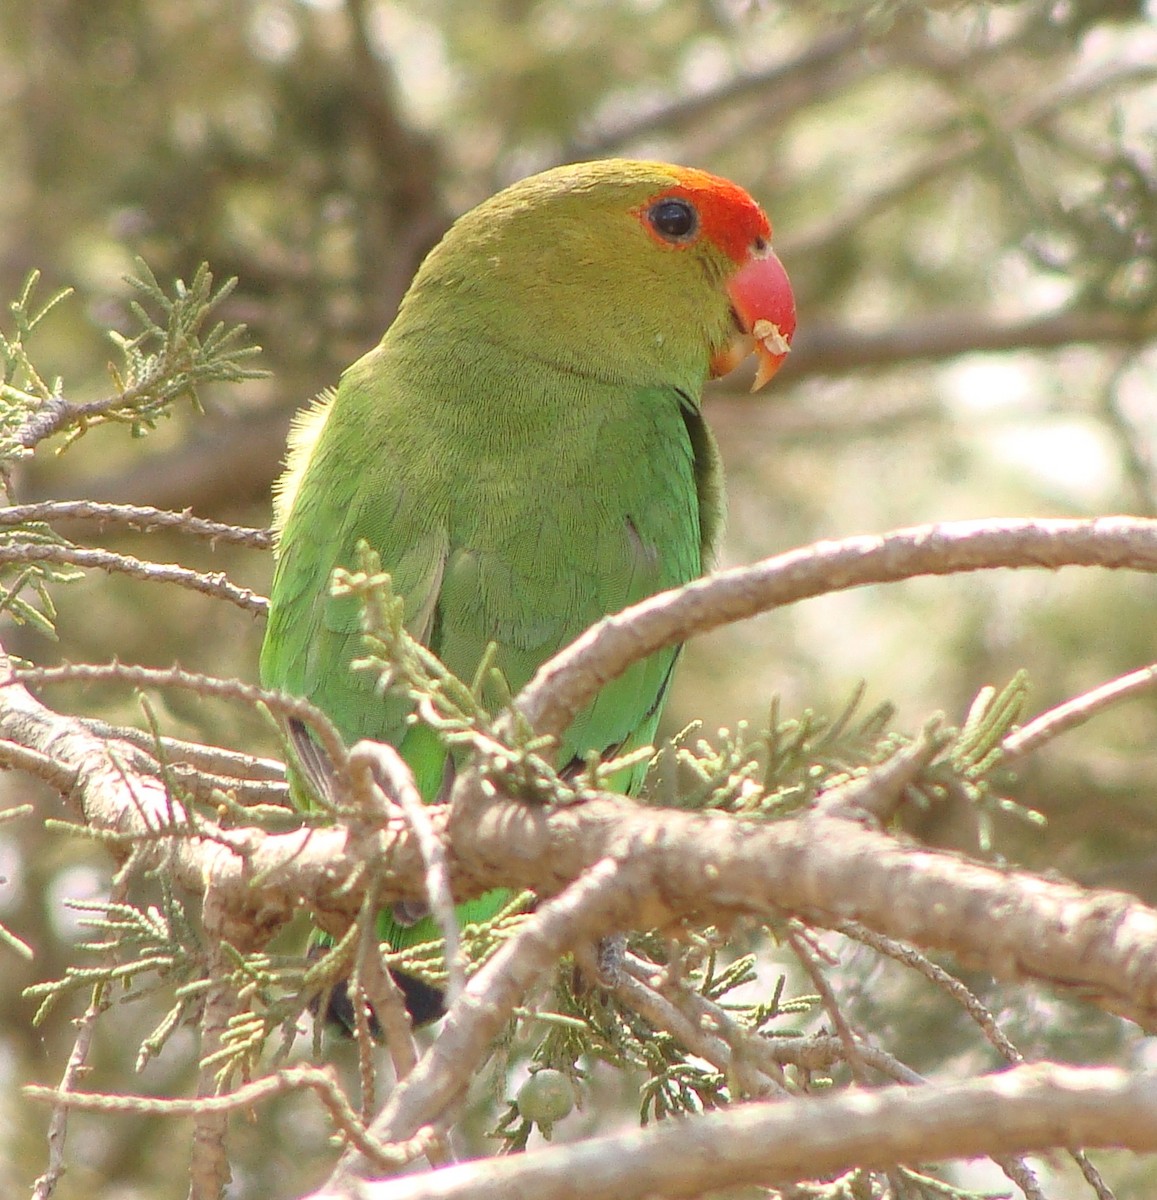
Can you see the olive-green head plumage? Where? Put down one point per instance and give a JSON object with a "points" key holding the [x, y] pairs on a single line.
{"points": [[613, 269]]}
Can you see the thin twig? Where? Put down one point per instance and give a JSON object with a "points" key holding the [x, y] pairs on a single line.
{"points": [[141, 518], [213, 760], [199, 785], [445, 1071], [798, 938], [193, 681], [319, 1079], [962, 995], [820, 1051], [635, 990], [364, 1038], [76, 1066], [214, 584], [1017, 1170], [397, 781], [1092, 1176], [1077, 711]]}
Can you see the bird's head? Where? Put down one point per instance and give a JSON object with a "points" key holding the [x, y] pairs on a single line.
{"points": [[639, 272]]}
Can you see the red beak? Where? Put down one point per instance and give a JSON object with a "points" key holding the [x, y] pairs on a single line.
{"points": [[764, 304]]}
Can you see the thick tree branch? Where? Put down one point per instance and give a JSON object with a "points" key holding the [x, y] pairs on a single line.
{"points": [[1025, 1109], [706, 866], [658, 868], [261, 877]]}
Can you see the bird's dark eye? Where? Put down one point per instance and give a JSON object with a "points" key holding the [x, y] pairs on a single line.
{"points": [[673, 219]]}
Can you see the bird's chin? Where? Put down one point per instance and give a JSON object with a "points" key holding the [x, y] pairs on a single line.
{"points": [[732, 355]]}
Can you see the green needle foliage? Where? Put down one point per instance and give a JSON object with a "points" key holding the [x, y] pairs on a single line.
{"points": [[145, 950], [22, 386], [176, 349]]}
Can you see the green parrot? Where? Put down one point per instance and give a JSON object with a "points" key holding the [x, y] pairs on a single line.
{"points": [[525, 450]]}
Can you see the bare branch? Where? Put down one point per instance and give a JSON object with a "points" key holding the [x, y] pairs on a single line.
{"points": [[1077, 711], [201, 685], [140, 517], [833, 350], [877, 793], [247, 779], [209, 1172], [936, 975], [213, 584], [756, 1074], [389, 1005], [712, 867], [76, 1066], [263, 878], [826, 869], [803, 947], [570, 680], [812, 70], [657, 869], [206, 758], [1032, 1108], [321, 1080], [43, 766]]}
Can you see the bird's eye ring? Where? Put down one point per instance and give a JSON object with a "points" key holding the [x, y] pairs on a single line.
{"points": [[673, 219]]}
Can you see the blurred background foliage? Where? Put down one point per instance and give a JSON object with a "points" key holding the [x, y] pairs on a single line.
{"points": [[965, 196]]}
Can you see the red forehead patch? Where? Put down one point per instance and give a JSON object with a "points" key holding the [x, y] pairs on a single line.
{"points": [[728, 216]]}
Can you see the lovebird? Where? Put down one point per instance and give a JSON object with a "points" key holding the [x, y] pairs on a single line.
{"points": [[525, 450]]}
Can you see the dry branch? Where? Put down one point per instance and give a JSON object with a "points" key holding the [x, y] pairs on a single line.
{"points": [[565, 684], [824, 868], [137, 517], [214, 584], [774, 1143]]}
